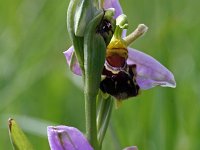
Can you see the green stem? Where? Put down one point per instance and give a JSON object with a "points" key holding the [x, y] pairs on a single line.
{"points": [[91, 126]]}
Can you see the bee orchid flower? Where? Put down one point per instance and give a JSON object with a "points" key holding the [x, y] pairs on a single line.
{"points": [[135, 69]]}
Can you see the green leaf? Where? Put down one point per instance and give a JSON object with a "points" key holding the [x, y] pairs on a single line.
{"points": [[94, 55], [18, 138]]}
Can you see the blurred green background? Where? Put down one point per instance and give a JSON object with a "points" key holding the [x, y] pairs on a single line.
{"points": [[37, 89]]}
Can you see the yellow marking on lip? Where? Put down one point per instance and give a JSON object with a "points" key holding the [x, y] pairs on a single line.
{"points": [[117, 43]]}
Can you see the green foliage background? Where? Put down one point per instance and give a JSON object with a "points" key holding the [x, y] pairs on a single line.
{"points": [[37, 89]]}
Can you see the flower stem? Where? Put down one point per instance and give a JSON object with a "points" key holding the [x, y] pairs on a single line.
{"points": [[91, 126]]}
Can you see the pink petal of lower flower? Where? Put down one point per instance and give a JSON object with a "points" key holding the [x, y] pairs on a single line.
{"points": [[150, 72], [131, 148], [75, 66], [64, 137], [113, 4]]}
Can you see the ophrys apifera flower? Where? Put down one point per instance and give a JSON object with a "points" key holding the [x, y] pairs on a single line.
{"points": [[126, 70]]}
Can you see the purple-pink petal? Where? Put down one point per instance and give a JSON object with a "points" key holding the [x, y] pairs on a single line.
{"points": [[113, 4], [75, 66], [150, 72], [131, 148], [64, 137]]}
